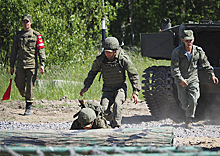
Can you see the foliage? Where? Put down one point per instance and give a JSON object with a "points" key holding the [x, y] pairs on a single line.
{"points": [[147, 15], [74, 77], [70, 29], [9, 24]]}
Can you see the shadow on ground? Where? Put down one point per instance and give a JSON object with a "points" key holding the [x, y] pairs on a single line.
{"points": [[138, 119]]}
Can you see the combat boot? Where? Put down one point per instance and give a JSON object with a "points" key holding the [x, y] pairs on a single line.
{"points": [[188, 124], [28, 108]]}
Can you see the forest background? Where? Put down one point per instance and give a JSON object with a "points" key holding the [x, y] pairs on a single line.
{"points": [[71, 31]]}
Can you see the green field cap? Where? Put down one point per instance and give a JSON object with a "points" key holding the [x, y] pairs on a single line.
{"points": [[26, 17], [188, 35]]}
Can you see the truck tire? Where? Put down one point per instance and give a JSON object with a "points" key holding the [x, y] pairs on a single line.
{"points": [[160, 93]]}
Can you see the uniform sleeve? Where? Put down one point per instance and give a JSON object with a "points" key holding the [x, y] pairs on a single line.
{"points": [[41, 54], [101, 123], [175, 71], [14, 51], [92, 73], [40, 49], [204, 63], [132, 74]]}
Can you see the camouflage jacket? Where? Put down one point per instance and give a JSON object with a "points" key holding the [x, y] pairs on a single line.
{"points": [[99, 122], [113, 72], [182, 68], [25, 50]]}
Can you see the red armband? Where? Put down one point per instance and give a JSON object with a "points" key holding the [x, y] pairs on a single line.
{"points": [[40, 43]]}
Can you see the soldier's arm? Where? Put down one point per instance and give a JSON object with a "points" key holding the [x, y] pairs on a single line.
{"points": [[40, 51], [40, 48], [42, 58], [100, 123], [41, 54], [204, 63], [92, 73], [175, 71], [132, 75]]}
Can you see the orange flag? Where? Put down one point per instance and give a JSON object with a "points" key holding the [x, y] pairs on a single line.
{"points": [[6, 96]]}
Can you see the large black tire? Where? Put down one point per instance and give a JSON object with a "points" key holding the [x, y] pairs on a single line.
{"points": [[160, 93]]}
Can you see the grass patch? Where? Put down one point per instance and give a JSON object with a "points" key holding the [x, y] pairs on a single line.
{"points": [[38, 106], [72, 78], [65, 104]]}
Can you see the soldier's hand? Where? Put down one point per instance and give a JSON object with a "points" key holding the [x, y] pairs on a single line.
{"points": [[135, 97], [11, 70], [41, 69], [83, 91], [184, 83], [215, 79]]}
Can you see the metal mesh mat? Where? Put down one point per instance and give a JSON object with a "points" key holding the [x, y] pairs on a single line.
{"points": [[114, 150]]}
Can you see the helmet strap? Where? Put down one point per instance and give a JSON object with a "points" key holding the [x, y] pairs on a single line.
{"points": [[112, 54]]}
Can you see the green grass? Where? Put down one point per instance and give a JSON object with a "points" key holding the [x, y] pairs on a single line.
{"points": [[38, 106], [77, 73]]}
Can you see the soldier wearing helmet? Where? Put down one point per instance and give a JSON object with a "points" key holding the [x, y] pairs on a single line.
{"points": [[87, 119], [113, 63]]}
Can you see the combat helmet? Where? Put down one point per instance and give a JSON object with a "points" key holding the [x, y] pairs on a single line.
{"points": [[111, 43], [86, 117]]}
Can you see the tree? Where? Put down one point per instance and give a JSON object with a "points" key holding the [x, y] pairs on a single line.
{"points": [[147, 15], [70, 29]]}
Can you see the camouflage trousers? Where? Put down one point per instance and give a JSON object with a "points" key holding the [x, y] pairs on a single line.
{"points": [[25, 82], [188, 97], [116, 99]]}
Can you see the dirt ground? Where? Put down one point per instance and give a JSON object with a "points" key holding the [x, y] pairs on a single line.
{"points": [[63, 111]]}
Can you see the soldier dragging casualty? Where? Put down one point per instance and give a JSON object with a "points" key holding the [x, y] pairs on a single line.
{"points": [[113, 63]]}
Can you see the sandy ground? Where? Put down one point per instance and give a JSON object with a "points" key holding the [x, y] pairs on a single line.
{"points": [[63, 111]]}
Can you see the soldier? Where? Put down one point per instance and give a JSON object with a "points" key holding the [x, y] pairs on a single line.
{"points": [[185, 72], [112, 63], [27, 44], [87, 119]]}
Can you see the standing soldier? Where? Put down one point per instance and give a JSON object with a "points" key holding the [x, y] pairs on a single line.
{"points": [[27, 44], [112, 64], [184, 69]]}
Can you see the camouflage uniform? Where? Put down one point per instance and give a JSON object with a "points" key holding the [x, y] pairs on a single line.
{"points": [[90, 116], [25, 50], [183, 68], [114, 87]]}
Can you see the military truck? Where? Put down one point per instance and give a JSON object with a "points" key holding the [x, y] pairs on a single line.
{"points": [[159, 88]]}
